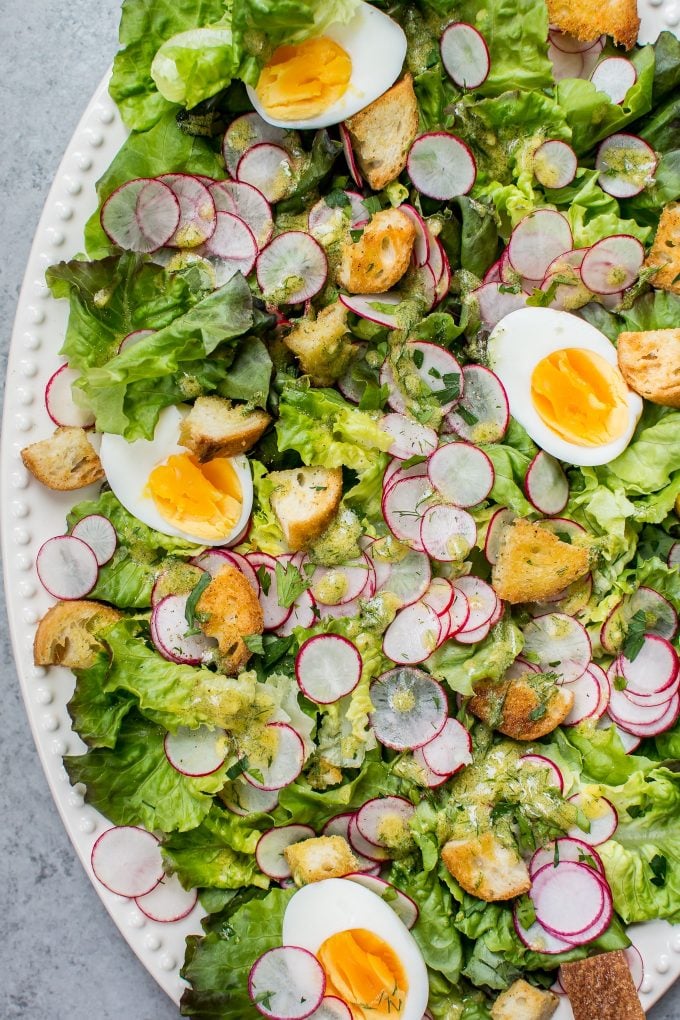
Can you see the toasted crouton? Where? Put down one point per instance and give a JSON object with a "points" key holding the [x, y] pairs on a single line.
{"points": [[665, 252], [67, 633], [601, 988], [650, 364], [586, 20], [381, 256], [312, 860], [64, 462], [525, 709], [485, 868], [229, 610], [214, 427], [534, 564], [305, 501], [322, 345], [383, 133], [521, 1001]]}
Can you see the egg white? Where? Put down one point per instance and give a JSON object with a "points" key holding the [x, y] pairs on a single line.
{"points": [[333, 905], [376, 46], [517, 344], [128, 465]]}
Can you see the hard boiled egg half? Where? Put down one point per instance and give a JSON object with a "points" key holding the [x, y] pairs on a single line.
{"points": [[370, 959], [564, 385], [328, 78], [165, 486]]}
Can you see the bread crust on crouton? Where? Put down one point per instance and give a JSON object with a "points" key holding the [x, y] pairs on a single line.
{"points": [[67, 633], [602, 986], [521, 1001], [586, 20], [64, 462], [650, 364], [383, 132], [214, 427], [665, 251], [534, 564], [520, 710], [485, 868], [381, 256], [229, 610], [313, 860], [322, 345], [305, 500]]}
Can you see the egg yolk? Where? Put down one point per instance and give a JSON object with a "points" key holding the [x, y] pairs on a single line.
{"points": [[580, 397], [365, 972], [201, 499], [303, 80]]}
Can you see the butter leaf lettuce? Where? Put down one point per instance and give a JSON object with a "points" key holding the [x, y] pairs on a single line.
{"points": [[462, 665], [97, 715], [217, 854], [652, 458], [196, 64], [300, 803], [265, 533], [603, 756], [437, 938]]}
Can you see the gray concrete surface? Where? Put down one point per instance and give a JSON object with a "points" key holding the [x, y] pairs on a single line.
{"points": [[61, 957]]}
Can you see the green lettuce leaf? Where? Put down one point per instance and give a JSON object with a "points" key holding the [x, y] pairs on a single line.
{"points": [[249, 374], [196, 64], [666, 65], [265, 533], [462, 665], [218, 854], [300, 803], [652, 458], [604, 759], [97, 715], [434, 932]]}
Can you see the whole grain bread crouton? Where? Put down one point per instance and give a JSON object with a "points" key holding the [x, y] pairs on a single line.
{"points": [[485, 868], [650, 364], [229, 610], [601, 987], [521, 1001], [665, 251], [526, 708], [305, 500], [381, 256], [587, 19], [383, 132], [323, 345], [313, 860], [64, 462], [533, 564], [214, 427], [68, 633]]}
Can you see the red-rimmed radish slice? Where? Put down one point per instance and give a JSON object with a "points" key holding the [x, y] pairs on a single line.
{"points": [[344, 610], [614, 76], [656, 700], [287, 762], [567, 848], [555, 164], [426, 777], [444, 281], [403, 906], [612, 264], [141, 215], [602, 681], [403, 506], [198, 752], [536, 938], [493, 273], [301, 615], [350, 158], [629, 742], [272, 843], [558, 643], [494, 304], [674, 555], [553, 774], [395, 472], [344, 583], [375, 308], [439, 595], [483, 412], [458, 613], [438, 370], [322, 214], [472, 637], [565, 529], [537, 240], [331, 1008], [450, 750], [286, 983], [196, 210], [461, 473], [244, 800], [339, 825], [654, 669], [99, 533], [424, 240], [409, 708], [602, 816], [133, 338], [641, 721], [383, 814], [275, 615], [168, 902], [599, 926], [660, 616], [546, 485], [520, 667], [170, 633], [413, 635], [409, 577], [565, 65], [67, 567], [127, 860], [636, 965], [269, 168], [441, 166], [587, 700], [213, 560], [292, 255], [500, 519], [568, 899], [59, 402], [447, 533], [328, 667], [233, 245], [570, 44], [481, 598], [245, 132], [249, 204], [465, 55], [410, 438], [436, 256], [362, 848]]}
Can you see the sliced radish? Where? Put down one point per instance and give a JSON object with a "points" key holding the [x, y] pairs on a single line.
{"points": [[614, 76], [483, 413], [141, 215], [247, 131], [481, 599], [493, 275], [494, 304], [654, 669], [461, 473], [344, 583], [272, 843], [558, 644], [450, 750], [249, 204], [269, 168], [375, 308], [171, 635], [519, 668], [198, 752], [403, 906], [660, 616], [413, 635], [168, 902], [67, 567], [327, 668], [409, 708], [546, 485], [553, 774], [133, 338], [214, 560], [465, 55], [287, 762], [403, 506], [602, 817], [674, 555], [587, 700], [331, 1008], [640, 721], [362, 847], [432, 780], [555, 164], [424, 240], [99, 533], [396, 472], [441, 166], [602, 681], [439, 595], [568, 899], [350, 158], [409, 577], [344, 610], [458, 613], [339, 825], [59, 401], [127, 860], [629, 742], [286, 983], [567, 848], [472, 637], [292, 268], [275, 615], [232, 247], [196, 210], [244, 800], [447, 533], [565, 529], [500, 519], [438, 370], [570, 44], [381, 814], [322, 213], [537, 239], [410, 438], [612, 264], [301, 615], [538, 939], [636, 965], [444, 281]]}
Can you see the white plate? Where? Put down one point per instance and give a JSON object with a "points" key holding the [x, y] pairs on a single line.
{"points": [[31, 514]]}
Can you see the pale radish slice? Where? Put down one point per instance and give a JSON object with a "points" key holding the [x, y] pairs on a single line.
{"points": [[441, 166], [500, 519], [272, 843], [328, 667], [567, 848], [519, 668], [565, 529], [232, 247], [244, 800], [344, 583], [424, 240], [461, 473], [339, 825], [99, 533], [331, 1008], [614, 76], [628, 711], [432, 780], [376, 308], [447, 533], [403, 506], [601, 924], [403, 906], [344, 610], [546, 485], [465, 55], [214, 560], [587, 700], [197, 220], [247, 131], [472, 637], [537, 239], [350, 158], [439, 371], [67, 567], [321, 214], [286, 983], [483, 412], [292, 268], [612, 264], [435, 258], [410, 438], [269, 168], [301, 615], [568, 899], [493, 275], [361, 846], [413, 634], [59, 401], [656, 727], [602, 816], [450, 750], [558, 644], [602, 681], [481, 598], [171, 633], [636, 965], [555, 164], [439, 595], [141, 215], [494, 304], [655, 667], [538, 939], [396, 472], [127, 860], [660, 616], [350, 385], [570, 44], [652, 700], [565, 65], [458, 613], [409, 577], [383, 814], [168, 902], [249, 204], [265, 568], [444, 281], [287, 762], [674, 555], [548, 767], [198, 752], [133, 338], [409, 708]]}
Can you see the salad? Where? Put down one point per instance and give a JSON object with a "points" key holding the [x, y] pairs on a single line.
{"points": [[372, 370]]}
